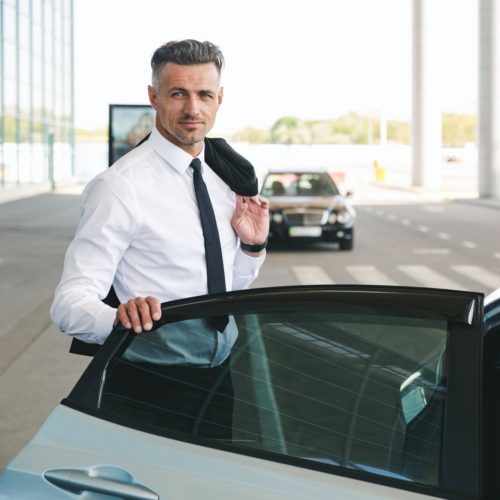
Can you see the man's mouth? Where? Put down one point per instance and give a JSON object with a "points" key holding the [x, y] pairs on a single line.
{"points": [[191, 122]]}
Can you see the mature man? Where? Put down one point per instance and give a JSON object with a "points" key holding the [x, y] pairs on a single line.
{"points": [[142, 226]]}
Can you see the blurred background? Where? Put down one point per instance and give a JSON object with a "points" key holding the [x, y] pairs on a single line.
{"points": [[395, 99], [382, 90]]}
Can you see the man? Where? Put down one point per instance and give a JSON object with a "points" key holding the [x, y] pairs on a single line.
{"points": [[140, 229]]}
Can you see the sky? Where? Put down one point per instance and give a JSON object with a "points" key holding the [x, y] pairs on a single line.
{"points": [[314, 59]]}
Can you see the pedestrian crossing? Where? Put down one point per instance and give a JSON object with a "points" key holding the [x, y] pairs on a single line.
{"points": [[367, 275], [426, 276], [311, 275], [455, 277]]}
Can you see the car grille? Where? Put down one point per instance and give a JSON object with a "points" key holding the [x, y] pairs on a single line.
{"points": [[316, 218]]}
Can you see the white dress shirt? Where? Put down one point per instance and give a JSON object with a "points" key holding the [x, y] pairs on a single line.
{"points": [[140, 230]]}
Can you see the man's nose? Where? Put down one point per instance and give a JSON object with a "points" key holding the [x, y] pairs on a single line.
{"points": [[192, 105]]}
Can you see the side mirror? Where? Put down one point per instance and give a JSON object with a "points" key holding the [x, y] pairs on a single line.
{"points": [[412, 394]]}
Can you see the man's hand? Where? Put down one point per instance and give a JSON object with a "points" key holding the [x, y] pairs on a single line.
{"points": [[139, 313], [251, 219]]}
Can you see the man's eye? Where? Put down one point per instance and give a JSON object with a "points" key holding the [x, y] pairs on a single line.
{"points": [[206, 95], [177, 94]]}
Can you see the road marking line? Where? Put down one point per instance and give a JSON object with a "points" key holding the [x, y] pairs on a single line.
{"points": [[444, 236], [496, 255], [429, 278], [433, 208], [391, 217], [423, 229], [369, 275], [406, 222], [312, 275], [479, 274], [431, 251], [469, 244], [379, 212]]}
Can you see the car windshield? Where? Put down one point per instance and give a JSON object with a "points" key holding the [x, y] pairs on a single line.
{"points": [[299, 184]]}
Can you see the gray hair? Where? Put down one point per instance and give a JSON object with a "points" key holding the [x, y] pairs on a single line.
{"points": [[186, 53]]}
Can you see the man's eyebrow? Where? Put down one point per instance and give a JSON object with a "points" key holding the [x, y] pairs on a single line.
{"points": [[183, 89], [172, 89]]}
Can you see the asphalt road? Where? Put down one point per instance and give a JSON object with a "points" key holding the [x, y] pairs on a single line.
{"points": [[440, 244], [401, 238]]}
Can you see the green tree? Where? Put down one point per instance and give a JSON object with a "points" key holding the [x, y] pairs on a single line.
{"points": [[458, 129], [252, 135], [290, 130], [352, 128], [398, 132]]}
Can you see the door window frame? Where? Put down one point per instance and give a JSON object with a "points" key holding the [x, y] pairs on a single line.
{"points": [[462, 439]]}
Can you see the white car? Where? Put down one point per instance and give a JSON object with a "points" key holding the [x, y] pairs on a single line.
{"points": [[345, 392]]}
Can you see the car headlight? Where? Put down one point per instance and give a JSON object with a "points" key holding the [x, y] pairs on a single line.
{"points": [[332, 218], [277, 217], [344, 217]]}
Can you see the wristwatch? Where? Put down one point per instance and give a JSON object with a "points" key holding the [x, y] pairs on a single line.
{"points": [[253, 248]]}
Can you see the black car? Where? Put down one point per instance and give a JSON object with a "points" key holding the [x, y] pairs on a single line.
{"points": [[306, 205]]}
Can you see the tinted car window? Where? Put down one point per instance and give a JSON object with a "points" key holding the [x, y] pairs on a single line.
{"points": [[299, 184], [351, 386]]}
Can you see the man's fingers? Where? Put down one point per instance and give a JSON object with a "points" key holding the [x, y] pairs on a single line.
{"points": [[155, 307], [139, 313], [263, 202], [145, 320], [133, 314], [122, 316]]}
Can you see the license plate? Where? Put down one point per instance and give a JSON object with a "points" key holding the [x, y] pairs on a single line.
{"points": [[304, 231]]}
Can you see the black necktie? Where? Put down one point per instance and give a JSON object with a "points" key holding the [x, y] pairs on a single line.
{"points": [[213, 254]]}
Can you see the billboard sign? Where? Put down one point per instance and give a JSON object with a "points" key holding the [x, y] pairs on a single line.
{"points": [[128, 124]]}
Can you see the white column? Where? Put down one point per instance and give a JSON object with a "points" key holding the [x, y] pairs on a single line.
{"points": [[426, 112], [488, 128]]}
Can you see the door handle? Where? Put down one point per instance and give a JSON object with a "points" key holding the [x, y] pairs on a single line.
{"points": [[78, 480]]}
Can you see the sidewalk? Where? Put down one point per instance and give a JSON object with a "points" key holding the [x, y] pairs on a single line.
{"points": [[30, 190], [36, 370], [373, 192]]}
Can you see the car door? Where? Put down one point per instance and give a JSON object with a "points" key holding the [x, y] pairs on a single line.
{"points": [[321, 392]]}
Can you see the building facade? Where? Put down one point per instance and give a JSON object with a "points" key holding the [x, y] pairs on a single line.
{"points": [[36, 92]]}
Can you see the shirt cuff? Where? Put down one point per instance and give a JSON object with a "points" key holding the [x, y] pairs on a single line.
{"points": [[248, 264], [103, 324]]}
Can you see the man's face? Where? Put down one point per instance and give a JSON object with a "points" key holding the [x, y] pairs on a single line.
{"points": [[186, 103]]}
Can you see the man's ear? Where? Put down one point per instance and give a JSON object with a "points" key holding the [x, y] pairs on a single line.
{"points": [[221, 95], [153, 97]]}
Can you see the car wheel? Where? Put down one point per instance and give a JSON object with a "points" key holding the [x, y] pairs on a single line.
{"points": [[346, 245]]}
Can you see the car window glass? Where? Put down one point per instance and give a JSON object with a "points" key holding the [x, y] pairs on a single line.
{"points": [[354, 387], [299, 184]]}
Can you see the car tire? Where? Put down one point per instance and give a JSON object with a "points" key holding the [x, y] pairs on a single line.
{"points": [[346, 244]]}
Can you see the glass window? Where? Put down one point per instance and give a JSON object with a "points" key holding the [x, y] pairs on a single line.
{"points": [[25, 76], [24, 7], [10, 64], [9, 28], [10, 97], [37, 41], [24, 32], [299, 184], [47, 5], [349, 385]]}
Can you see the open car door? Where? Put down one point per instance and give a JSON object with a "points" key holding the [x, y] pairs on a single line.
{"points": [[320, 392]]}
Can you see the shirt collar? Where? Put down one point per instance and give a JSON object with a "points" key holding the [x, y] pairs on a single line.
{"points": [[172, 154]]}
